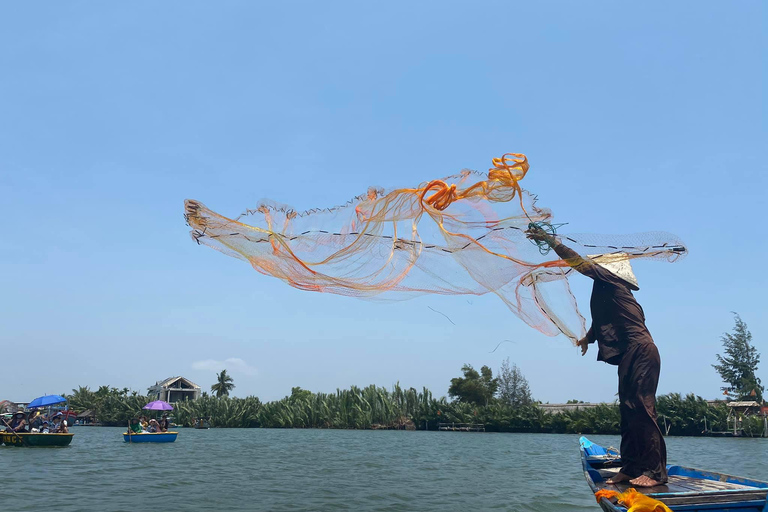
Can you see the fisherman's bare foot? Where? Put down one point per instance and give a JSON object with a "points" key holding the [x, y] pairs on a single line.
{"points": [[618, 477], [644, 481]]}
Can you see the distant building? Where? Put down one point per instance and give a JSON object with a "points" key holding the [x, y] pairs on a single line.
{"points": [[558, 408], [174, 389], [87, 417]]}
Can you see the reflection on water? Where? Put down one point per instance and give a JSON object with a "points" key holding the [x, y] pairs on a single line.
{"points": [[266, 469]]}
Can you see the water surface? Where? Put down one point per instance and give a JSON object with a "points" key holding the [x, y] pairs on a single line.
{"points": [[324, 470]]}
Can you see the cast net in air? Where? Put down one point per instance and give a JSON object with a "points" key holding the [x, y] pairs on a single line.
{"points": [[461, 235]]}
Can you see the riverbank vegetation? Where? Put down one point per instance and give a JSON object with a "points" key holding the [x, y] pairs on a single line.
{"points": [[375, 407]]}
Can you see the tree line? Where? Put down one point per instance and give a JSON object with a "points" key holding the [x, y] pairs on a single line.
{"points": [[375, 407]]}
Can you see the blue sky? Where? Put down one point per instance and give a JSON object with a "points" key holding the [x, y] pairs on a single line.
{"points": [[635, 117]]}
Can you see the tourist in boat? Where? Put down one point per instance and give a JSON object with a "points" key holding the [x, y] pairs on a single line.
{"points": [[45, 428], [144, 422], [618, 327], [134, 427], [35, 420], [164, 423], [153, 426], [60, 424], [18, 423]]}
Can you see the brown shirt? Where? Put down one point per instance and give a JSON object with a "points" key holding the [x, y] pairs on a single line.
{"points": [[618, 321]]}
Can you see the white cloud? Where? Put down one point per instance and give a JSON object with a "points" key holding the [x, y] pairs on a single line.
{"points": [[232, 365]]}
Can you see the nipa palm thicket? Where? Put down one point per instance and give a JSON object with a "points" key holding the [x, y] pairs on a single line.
{"points": [[376, 407]]}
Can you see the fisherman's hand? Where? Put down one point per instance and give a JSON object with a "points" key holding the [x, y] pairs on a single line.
{"points": [[584, 345], [539, 235]]}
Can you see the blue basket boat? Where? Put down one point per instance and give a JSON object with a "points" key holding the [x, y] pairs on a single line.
{"points": [[147, 437], [689, 490]]}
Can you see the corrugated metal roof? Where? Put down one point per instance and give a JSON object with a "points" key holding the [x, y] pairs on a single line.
{"points": [[743, 404], [171, 380]]}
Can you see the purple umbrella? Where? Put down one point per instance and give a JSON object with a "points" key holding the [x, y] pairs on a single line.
{"points": [[158, 405]]}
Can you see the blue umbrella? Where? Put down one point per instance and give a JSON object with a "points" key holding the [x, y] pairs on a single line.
{"points": [[46, 400]]}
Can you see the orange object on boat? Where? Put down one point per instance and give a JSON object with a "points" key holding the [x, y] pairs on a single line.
{"points": [[633, 500]]}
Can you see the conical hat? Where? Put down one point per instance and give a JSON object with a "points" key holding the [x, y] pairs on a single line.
{"points": [[617, 264]]}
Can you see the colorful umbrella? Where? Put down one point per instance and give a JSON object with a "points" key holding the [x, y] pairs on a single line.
{"points": [[46, 400], [158, 405]]}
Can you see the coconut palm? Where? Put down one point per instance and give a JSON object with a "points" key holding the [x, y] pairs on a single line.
{"points": [[224, 384], [82, 398]]}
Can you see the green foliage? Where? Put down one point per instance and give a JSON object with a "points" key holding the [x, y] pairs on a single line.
{"points": [[298, 394], [513, 387], [686, 416], [224, 384], [375, 407], [738, 366], [474, 388], [378, 408], [111, 406], [222, 412], [753, 426], [367, 408]]}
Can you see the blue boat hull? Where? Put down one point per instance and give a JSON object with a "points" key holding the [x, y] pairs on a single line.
{"points": [[688, 490], [161, 437]]}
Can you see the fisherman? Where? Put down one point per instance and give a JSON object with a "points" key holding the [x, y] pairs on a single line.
{"points": [[623, 340], [18, 423], [134, 427]]}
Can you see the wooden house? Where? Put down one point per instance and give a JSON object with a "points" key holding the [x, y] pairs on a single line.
{"points": [[174, 389]]}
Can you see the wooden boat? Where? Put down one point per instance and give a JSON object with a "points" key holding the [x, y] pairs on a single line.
{"points": [[27, 439], [151, 437], [689, 490]]}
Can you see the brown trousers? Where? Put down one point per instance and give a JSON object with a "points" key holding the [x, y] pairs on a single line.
{"points": [[643, 451]]}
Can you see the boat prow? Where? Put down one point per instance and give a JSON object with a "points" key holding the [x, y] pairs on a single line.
{"points": [[35, 439], [151, 437], [689, 490]]}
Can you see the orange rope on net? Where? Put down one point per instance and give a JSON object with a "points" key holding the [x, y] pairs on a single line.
{"points": [[501, 185], [460, 235], [442, 199], [633, 500]]}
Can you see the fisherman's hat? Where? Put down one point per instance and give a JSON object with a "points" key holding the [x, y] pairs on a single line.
{"points": [[617, 264]]}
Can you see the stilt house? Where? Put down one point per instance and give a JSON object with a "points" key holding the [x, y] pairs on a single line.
{"points": [[174, 389]]}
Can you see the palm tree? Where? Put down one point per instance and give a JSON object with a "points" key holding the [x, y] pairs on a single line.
{"points": [[81, 398], [224, 384]]}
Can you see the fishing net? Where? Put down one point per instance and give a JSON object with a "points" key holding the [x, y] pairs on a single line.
{"points": [[461, 235]]}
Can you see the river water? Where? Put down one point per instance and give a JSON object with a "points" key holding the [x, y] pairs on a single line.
{"points": [[270, 469]]}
